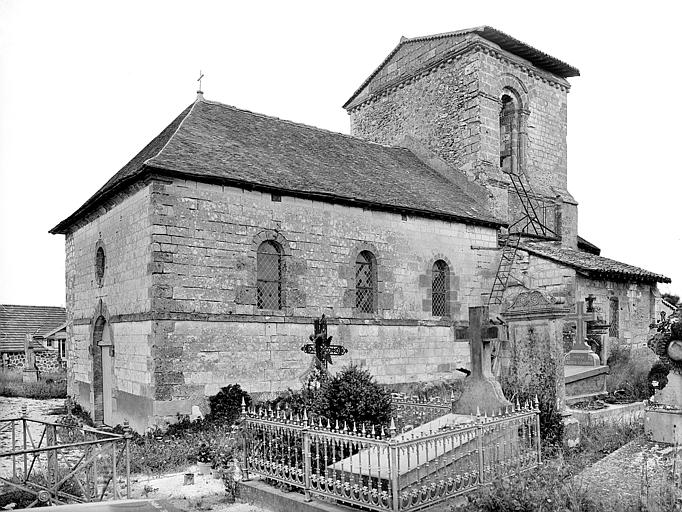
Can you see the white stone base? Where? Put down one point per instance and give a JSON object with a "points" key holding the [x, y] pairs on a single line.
{"points": [[664, 426]]}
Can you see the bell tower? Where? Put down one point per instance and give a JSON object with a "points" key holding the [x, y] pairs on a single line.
{"points": [[493, 108]]}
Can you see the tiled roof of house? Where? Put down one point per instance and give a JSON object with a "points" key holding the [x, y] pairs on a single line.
{"points": [[536, 57], [214, 142], [17, 321], [591, 264]]}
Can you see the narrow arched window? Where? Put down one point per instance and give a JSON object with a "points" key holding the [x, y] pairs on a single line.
{"points": [[100, 261], [509, 134], [269, 268], [365, 282], [440, 289]]}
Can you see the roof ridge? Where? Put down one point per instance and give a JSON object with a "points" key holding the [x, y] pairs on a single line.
{"points": [[173, 134], [304, 125]]}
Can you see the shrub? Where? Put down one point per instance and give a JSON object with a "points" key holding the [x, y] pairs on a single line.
{"points": [[659, 374], [226, 405], [543, 387], [352, 395], [628, 372]]}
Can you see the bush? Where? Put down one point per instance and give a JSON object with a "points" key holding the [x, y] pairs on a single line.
{"points": [[226, 405], [352, 395], [543, 387], [628, 372]]}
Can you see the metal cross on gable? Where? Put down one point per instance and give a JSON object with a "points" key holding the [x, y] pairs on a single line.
{"points": [[321, 345], [201, 75]]}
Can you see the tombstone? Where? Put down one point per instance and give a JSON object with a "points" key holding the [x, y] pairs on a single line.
{"points": [[584, 375], [534, 353], [597, 331], [30, 373], [581, 353], [481, 390]]}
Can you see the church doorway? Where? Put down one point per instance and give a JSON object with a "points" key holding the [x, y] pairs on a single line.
{"points": [[102, 372]]}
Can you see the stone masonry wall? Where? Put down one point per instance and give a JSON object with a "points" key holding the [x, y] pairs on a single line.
{"points": [[123, 229], [46, 362], [636, 301], [636, 304], [454, 110], [204, 241]]}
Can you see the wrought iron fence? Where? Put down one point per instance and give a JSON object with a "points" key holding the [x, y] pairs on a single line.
{"points": [[60, 464], [412, 413], [366, 466]]}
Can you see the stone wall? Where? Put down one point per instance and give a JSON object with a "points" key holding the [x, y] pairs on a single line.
{"points": [[637, 302], [122, 228], [204, 241], [47, 361], [453, 108]]}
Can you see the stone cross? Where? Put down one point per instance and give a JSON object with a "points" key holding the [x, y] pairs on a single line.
{"points": [[581, 354], [321, 345], [481, 390], [480, 335]]}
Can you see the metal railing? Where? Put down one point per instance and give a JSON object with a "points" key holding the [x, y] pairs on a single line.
{"points": [[364, 466], [60, 463]]}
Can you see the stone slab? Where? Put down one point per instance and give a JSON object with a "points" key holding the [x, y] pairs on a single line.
{"points": [[614, 412], [260, 494], [583, 382], [630, 477], [119, 506]]}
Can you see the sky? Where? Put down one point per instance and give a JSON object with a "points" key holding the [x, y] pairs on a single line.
{"points": [[85, 85]]}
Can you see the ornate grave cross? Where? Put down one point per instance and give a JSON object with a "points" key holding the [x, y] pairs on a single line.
{"points": [[480, 335], [582, 354], [321, 345]]}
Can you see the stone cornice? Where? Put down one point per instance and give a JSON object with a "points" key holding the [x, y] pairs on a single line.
{"points": [[471, 46], [293, 319]]}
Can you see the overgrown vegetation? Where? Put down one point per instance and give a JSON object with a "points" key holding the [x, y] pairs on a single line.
{"points": [[542, 386], [49, 385], [352, 395], [628, 375], [555, 485]]}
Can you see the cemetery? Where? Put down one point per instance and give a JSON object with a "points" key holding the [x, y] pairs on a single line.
{"points": [[345, 439]]}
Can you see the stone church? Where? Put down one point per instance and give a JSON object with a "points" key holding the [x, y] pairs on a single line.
{"points": [[205, 259]]}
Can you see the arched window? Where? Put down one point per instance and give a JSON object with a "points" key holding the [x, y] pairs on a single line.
{"points": [[365, 282], [269, 269], [509, 134], [440, 289], [100, 262]]}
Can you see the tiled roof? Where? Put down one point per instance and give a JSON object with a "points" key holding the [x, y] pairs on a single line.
{"points": [[587, 246], [504, 41], [591, 264], [214, 142], [17, 321]]}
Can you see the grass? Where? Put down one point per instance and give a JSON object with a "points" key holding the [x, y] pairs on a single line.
{"points": [[629, 372], [49, 385], [175, 449], [556, 487]]}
